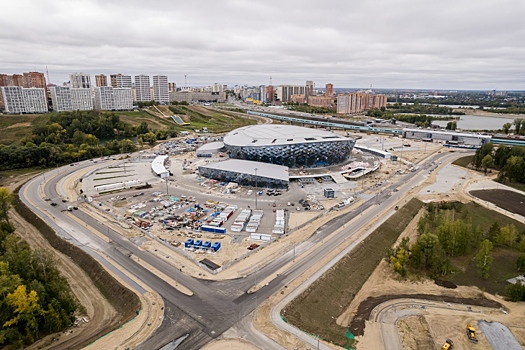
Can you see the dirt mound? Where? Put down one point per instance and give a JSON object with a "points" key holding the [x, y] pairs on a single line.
{"points": [[446, 284], [364, 310], [508, 200]]}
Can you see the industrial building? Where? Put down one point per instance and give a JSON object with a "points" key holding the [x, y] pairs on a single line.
{"points": [[247, 173], [450, 137], [288, 145]]}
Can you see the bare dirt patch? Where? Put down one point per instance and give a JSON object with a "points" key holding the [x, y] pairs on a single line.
{"points": [[414, 333]]}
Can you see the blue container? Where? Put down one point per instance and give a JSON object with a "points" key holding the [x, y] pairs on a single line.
{"points": [[188, 243], [198, 243], [216, 246], [206, 244]]}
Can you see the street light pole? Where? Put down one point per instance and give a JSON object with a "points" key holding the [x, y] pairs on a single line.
{"points": [[256, 190]]}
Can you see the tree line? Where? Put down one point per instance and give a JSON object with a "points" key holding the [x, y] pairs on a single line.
{"points": [[443, 233], [510, 161], [67, 137], [35, 300], [519, 127], [422, 108]]}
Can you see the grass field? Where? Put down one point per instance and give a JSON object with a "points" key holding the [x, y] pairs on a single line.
{"points": [[464, 162], [316, 310], [16, 127]]}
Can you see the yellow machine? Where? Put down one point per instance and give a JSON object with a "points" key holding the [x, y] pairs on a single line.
{"points": [[471, 333], [449, 344]]}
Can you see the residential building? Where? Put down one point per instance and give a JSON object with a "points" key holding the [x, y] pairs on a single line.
{"points": [[160, 89], [270, 93], [284, 92], [61, 98], [197, 96], [123, 99], [27, 80], [359, 102], [13, 99], [172, 87], [309, 89], [34, 80], [217, 87], [81, 100], [121, 81], [35, 100], [80, 80], [101, 80], [321, 101], [142, 87], [104, 98], [329, 90]]}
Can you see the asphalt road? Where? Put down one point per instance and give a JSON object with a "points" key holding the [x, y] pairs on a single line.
{"points": [[216, 305]]}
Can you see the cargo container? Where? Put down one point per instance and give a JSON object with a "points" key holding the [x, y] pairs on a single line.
{"points": [[206, 245], [216, 246], [213, 229], [188, 244], [197, 244]]}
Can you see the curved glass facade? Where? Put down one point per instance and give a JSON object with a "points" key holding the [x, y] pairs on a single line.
{"points": [[296, 155]]}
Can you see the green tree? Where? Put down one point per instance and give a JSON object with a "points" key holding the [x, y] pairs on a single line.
{"points": [[508, 235], [6, 201], [515, 168], [142, 128], [399, 257], [516, 291], [520, 262], [506, 127], [518, 123], [487, 162], [26, 310], [484, 258]]}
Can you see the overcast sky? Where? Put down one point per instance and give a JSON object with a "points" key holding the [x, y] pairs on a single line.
{"points": [[440, 44]]}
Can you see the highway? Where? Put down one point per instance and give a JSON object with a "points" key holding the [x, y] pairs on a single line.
{"points": [[215, 306]]}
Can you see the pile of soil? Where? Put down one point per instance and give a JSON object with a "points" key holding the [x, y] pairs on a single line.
{"points": [[446, 284]]}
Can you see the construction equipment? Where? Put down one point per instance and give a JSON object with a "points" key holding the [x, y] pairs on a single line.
{"points": [[449, 344], [471, 333]]}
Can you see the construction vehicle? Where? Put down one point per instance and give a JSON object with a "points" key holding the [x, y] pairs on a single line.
{"points": [[449, 344], [471, 333]]}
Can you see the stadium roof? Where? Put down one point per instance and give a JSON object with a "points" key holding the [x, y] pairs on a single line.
{"points": [[212, 146], [278, 134], [270, 171]]}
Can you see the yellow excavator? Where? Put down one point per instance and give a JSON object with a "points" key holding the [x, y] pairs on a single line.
{"points": [[449, 344], [471, 333]]}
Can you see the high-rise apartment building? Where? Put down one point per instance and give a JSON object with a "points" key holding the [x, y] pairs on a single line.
{"points": [[13, 99], [17, 99], [81, 100], [61, 98], [27, 80], [121, 81], [172, 87], [142, 88], [309, 89], [161, 92], [104, 98], [359, 102], [217, 87], [35, 100], [101, 80], [123, 99], [80, 80], [284, 92], [269, 93], [329, 90]]}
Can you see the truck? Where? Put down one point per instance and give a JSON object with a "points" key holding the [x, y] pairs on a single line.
{"points": [[69, 208], [471, 333], [449, 344]]}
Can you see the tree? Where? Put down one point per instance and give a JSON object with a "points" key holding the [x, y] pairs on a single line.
{"points": [[484, 258], [451, 125], [6, 201], [27, 310], [516, 291], [487, 162], [399, 258], [506, 127], [515, 169], [518, 123], [520, 262], [508, 235]]}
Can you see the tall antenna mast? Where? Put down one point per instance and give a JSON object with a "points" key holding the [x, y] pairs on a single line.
{"points": [[271, 80], [185, 81]]}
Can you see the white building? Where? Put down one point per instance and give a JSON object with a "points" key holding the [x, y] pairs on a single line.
{"points": [[13, 99], [35, 100], [19, 100], [142, 86], [160, 89], [81, 100], [80, 80], [61, 98], [123, 99], [217, 87], [104, 98], [121, 81]]}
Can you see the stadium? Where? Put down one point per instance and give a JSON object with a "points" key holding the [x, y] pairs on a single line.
{"points": [[287, 145]]}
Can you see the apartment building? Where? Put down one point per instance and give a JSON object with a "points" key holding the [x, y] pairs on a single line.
{"points": [[160, 89], [122, 99], [80, 80], [359, 102], [26, 80], [61, 98], [18, 100], [104, 98], [119, 81], [142, 88], [101, 80], [81, 100]]}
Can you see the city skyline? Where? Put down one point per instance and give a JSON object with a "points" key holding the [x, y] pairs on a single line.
{"points": [[408, 44]]}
